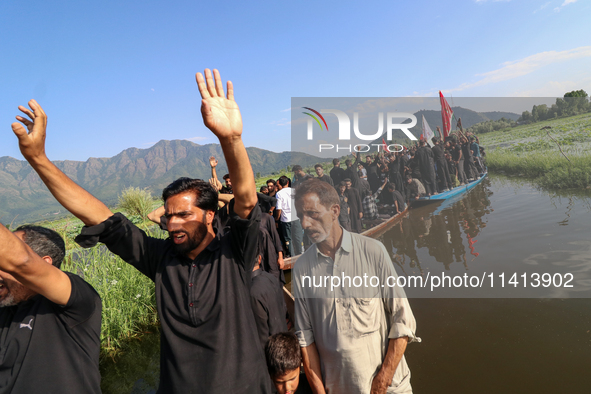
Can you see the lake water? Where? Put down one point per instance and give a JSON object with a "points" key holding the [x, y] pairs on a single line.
{"points": [[478, 345], [502, 345]]}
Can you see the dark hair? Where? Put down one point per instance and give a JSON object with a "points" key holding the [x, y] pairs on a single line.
{"points": [[206, 197], [227, 176], [283, 354], [44, 242], [335, 161], [297, 167], [270, 181], [318, 165], [263, 188], [283, 181], [342, 183], [347, 162], [347, 180], [326, 193]]}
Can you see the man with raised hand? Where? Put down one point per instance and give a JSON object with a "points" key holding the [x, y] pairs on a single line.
{"points": [[50, 320], [353, 334], [209, 342]]}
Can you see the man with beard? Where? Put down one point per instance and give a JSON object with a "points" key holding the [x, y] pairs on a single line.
{"points": [[271, 186], [202, 278], [46, 315], [353, 338]]}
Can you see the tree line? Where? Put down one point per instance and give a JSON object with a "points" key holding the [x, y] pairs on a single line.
{"points": [[573, 103]]}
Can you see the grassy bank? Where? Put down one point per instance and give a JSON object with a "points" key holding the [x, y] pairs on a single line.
{"points": [[528, 151], [549, 170]]}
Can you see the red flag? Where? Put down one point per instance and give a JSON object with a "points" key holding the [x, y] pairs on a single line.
{"points": [[446, 115], [385, 145]]}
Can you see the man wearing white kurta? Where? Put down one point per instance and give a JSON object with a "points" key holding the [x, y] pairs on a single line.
{"points": [[353, 333]]}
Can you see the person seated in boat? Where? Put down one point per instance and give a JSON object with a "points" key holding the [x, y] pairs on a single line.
{"points": [[399, 204], [370, 208], [415, 188], [284, 361]]}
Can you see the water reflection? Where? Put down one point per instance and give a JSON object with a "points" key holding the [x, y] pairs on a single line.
{"points": [[447, 231]]}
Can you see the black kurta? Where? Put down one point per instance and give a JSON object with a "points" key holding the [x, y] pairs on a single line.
{"points": [[209, 342]]}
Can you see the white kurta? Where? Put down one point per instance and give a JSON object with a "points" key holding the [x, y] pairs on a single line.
{"points": [[351, 325]]}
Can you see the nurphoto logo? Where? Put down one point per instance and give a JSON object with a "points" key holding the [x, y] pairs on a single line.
{"points": [[394, 121]]}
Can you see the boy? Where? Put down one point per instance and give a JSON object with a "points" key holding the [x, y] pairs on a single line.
{"points": [[284, 360]]}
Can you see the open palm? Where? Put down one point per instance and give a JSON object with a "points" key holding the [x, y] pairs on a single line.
{"points": [[220, 113]]}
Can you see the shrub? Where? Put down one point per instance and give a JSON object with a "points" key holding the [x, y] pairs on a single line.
{"points": [[136, 201]]}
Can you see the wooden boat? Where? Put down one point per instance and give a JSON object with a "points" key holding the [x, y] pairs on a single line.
{"points": [[447, 195]]}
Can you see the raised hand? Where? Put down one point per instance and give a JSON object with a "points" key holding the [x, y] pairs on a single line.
{"points": [[31, 140], [213, 162], [217, 185], [220, 114]]}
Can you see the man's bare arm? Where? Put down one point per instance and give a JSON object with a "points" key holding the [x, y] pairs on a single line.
{"points": [[311, 361], [32, 145], [34, 272], [383, 379], [156, 215], [222, 116]]}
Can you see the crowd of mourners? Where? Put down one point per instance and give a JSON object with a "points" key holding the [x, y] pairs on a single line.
{"points": [[219, 275]]}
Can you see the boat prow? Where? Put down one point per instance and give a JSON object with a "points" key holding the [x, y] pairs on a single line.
{"points": [[447, 195]]}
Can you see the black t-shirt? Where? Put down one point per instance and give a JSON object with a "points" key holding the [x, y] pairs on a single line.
{"points": [[337, 174], [438, 154], [455, 153], [327, 179], [50, 348], [266, 202], [209, 342], [396, 196]]}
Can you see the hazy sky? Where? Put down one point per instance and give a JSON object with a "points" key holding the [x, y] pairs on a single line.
{"points": [[118, 74]]}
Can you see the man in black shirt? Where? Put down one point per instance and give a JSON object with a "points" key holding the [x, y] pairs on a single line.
{"points": [[351, 171], [50, 320], [424, 157], [322, 176], [442, 171], [458, 159], [337, 174], [209, 342], [299, 176], [268, 305]]}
